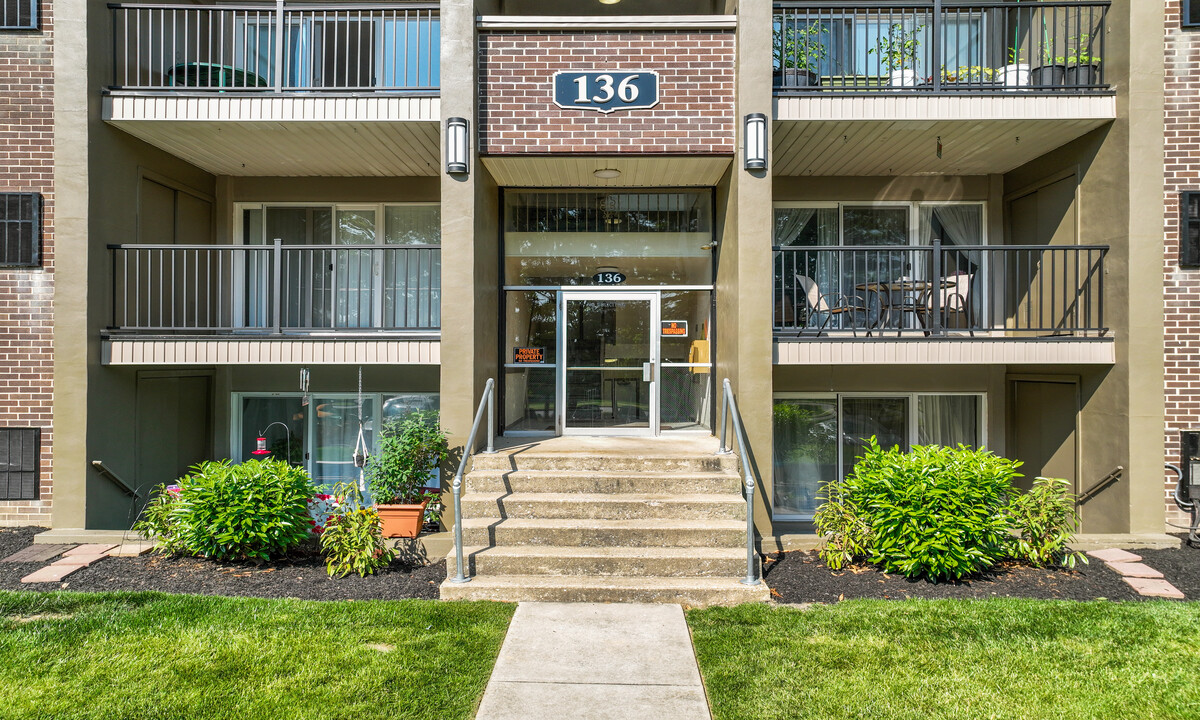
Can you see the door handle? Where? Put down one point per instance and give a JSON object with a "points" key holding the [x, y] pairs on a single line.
{"points": [[648, 372]]}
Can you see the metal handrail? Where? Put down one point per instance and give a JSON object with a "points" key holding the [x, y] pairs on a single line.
{"points": [[488, 402], [116, 479], [729, 407]]}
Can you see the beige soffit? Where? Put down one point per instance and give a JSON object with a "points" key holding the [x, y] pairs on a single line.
{"points": [[589, 22], [310, 136], [579, 171], [826, 136], [158, 351], [945, 352]]}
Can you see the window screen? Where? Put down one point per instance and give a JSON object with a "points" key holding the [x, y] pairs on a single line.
{"points": [[19, 15], [20, 229], [1189, 227], [20, 455], [1191, 13]]}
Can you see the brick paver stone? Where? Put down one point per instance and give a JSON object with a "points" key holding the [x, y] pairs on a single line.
{"points": [[90, 549], [1114, 555], [77, 560], [37, 553], [1137, 570], [132, 549], [50, 573], [1151, 587]]}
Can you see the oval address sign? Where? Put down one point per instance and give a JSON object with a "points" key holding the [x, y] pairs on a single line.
{"points": [[606, 91], [608, 278]]}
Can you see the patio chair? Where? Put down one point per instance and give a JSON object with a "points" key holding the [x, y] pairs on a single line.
{"points": [[827, 306], [955, 300]]}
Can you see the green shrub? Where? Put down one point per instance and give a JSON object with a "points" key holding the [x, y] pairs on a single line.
{"points": [[352, 540], [1045, 519], [155, 521], [254, 510], [409, 450], [936, 512], [847, 533]]}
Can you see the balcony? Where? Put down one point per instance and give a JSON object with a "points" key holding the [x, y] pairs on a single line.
{"points": [[990, 85], [199, 304], [281, 89], [1009, 304]]}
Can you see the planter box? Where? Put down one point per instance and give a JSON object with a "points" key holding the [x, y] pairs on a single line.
{"points": [[1048, 76], [796, 78], [1083, 76], [402, 521]]}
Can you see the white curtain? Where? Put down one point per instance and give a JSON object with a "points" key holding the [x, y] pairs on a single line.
{"points": [[963, 224], [789, 222], [948, 420]]}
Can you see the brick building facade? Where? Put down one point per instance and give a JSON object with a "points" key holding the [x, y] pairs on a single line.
{"points": [[1182, 285], [27, 294], [694, 117]]}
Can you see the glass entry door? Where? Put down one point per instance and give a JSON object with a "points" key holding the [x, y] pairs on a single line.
{"points": [[610, 349]]}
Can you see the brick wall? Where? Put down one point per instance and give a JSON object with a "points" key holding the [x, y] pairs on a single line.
{"points": [[26, 295], [695, 114]]}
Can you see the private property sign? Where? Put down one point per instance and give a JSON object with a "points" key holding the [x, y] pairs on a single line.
{"points": [[606, 92], [529, 356]]}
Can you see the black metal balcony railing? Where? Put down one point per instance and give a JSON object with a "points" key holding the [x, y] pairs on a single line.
{"points": [[940, 46], [276, 289], [940, 290], [372, 47]]}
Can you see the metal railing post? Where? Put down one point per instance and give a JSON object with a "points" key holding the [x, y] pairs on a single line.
{"points": [[935, 24], [935, 296], [280, 31], [276, 293], [724, 449], [485, 403], [491, 402]]}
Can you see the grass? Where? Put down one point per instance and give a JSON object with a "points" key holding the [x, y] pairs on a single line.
{"points": [[1021, 659], [151, 656]]}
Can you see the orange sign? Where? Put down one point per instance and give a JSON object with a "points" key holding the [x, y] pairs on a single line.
{"points": [[674, 328], [528, 356]]}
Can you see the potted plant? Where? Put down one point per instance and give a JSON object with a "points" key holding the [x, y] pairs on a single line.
{"points": [[1083, 66], [410, 450], [969, 75], [1053, 70], [1016, 72], [898, 54], [798, 55]]}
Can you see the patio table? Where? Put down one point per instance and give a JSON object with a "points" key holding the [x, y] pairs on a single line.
{"points": [[887, 291]]}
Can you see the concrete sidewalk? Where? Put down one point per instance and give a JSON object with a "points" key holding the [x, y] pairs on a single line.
{"points": [[595, 662]]}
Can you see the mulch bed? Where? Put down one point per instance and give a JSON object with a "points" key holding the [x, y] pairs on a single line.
{"points": [[300, 576], [801, 577]]}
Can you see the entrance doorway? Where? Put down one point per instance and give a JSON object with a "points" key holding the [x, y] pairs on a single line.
{"points": [[610, 350]]}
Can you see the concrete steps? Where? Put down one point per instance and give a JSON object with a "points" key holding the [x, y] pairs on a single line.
{"points": [[595, 506], [603, 561], [689, 591], [605, 520]]}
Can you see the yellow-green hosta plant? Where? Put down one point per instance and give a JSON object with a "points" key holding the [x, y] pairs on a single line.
{"points": [[352, 539]]}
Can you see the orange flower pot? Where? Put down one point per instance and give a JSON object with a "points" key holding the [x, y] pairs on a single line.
{"points": [[402, 521]]}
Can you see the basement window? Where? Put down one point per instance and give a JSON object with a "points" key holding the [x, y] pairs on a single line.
{"points": [[20, 229], [19, 15], [20, 463], [1191, 13], [1189, 227]]}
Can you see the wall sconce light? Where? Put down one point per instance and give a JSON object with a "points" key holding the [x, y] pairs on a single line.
{"points": [[457, 145], [756, 142]]}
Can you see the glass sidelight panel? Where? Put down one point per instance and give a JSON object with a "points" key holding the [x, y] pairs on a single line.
{"points": [[806, 453], [335, 433], [354, 270], [610, 349], [884, 418], [529, 399]]}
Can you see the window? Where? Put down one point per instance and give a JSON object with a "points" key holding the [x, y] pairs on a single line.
{"points": [[1189, 225], [20, 15], [1191, 13], [817, 438], [21, 238], [321, 434], [20, 463]]}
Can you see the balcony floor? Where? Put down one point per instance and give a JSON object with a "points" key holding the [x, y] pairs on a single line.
{"points": [[294, 135]]}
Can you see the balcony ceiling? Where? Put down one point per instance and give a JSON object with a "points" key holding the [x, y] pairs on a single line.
{"points": [[636, 170], [888, 136], [288, 136]]}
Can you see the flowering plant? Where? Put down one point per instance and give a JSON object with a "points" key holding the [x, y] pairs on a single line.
{"points": [[320, 507], [352, 536]]}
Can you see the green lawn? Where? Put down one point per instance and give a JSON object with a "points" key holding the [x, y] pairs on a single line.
{"points": [[150, 656], [1018, 659]]}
